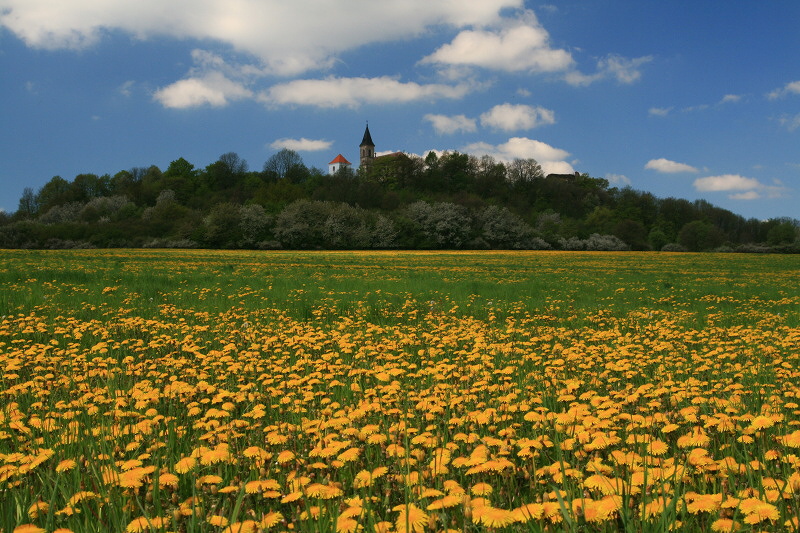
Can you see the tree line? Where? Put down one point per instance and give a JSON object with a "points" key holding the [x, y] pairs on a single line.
{"points": [[448, 201]]}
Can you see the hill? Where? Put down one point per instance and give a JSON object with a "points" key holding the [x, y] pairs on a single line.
{"points": [[448, 201]]}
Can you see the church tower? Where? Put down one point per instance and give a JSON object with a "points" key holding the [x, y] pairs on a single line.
{"points": [[367, 150]]}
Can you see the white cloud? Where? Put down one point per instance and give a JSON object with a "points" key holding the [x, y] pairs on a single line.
{"points": [[551, 159], [623, 69], [659, 111], [740, 187], [126, 89], [287, 37], [301, 145], [448, 125], [212, 89], [749, 195], [510, 117], [521, 45], [726, 182], [352, 92], [788, 89], [731, 98], [618, 180], [791, 123], [668, 167]]}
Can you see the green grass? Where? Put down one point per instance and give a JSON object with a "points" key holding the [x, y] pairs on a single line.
{"points": [[95, 340]]}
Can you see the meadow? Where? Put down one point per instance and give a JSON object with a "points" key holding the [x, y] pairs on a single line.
{"points": [[213, 391]]}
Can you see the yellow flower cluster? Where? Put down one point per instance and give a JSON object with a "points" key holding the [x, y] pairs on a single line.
{"points": [[172, 417]]}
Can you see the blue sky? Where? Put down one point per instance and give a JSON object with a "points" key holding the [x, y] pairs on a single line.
{"points": [[690, 99]]}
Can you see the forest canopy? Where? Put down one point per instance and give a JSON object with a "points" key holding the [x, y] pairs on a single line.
{"points": [[448, 201]]}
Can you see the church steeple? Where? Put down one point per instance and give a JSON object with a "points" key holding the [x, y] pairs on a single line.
{"points": [[367, 149]]}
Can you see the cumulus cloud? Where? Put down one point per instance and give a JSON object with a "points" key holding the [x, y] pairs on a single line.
{"points": [[788, 89], [287, 37], [619, 180], [510, 117], [726, 182], [444, 124], [749, 195], [551, 159], [352, 92], [519, 45], [668, 167], [301, 145], [740, 187], [212, 89], [624, 70]]}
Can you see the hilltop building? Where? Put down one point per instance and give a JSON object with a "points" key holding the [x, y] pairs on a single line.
{"points": [[338, 163], [367, 159], [366, 150]]}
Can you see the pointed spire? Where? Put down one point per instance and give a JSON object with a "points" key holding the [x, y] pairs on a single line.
{"points": [[367, 140]]}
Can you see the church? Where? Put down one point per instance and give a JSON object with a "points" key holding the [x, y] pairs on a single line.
{"points": [[366, 155]]}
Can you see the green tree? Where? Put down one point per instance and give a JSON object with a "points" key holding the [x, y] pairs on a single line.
{"points": [[54, 192], [783, 231], [28, 204], [699, 236], [280, 164]]}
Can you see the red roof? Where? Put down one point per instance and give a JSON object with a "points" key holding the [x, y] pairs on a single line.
{"points": [[340, 159]]}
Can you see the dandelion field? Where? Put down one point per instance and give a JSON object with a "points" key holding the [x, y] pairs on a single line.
{"points": [[211, 391]]}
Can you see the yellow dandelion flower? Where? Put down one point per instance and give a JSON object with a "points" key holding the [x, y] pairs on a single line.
{"points": [[761, 422], [271, 519], [185, 465], [725, 525], [285, 456], [451, 500], [217, 520], [655, 507], [657, 447], [38, 508], [704, 503], [29, 528], [132, 479], [493, 517], [377, 438], [764, 511], [362, 479], [248, 526], [792, 439], [349, 455], [210, 479], [292, 496], [219, 454], [168, 480], [527, 512], [138, 524], [346, 524], [65, 465], [411, 519], [481, 489], [80, 496], [383, 527]]}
